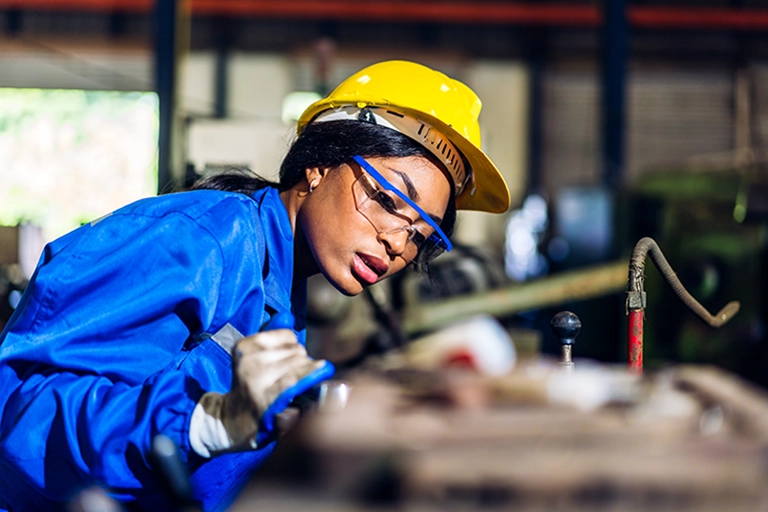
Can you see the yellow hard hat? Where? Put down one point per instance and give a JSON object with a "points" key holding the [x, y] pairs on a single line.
{"points": [[431, 102]]}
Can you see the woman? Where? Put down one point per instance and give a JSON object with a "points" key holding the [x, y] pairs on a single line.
{"points": [[183, 314]]}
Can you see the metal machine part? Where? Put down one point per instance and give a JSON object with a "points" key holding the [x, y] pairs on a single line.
{"points": [[636, 299], [691, 438], [332, 396], [12, 285]]}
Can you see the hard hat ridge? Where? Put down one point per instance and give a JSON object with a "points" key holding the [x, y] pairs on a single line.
{"points": [[439, 145]]}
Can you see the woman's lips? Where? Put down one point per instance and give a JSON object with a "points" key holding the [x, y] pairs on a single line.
{"points": [[369, 268]]}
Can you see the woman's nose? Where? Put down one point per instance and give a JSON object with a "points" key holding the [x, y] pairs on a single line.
{"points": [[395, 241]]}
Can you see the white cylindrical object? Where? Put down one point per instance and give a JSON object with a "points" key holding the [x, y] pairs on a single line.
{"points": [[481, 339]]}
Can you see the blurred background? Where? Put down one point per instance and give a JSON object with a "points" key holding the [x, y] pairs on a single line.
{"points": [[610, 120]]}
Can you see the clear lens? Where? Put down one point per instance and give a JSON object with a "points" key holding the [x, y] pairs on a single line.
{"points": [[430, 249], [390, 215]]}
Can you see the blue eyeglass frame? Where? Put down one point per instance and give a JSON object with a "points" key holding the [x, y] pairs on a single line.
{"points": [[388, 186]]}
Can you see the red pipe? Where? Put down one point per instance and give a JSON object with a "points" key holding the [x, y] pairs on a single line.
{"points": [[440, 11], [697, 18], [137, 6], [635, 348]]}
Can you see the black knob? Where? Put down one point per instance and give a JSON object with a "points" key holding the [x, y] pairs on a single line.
{"points": [[566, 327]]}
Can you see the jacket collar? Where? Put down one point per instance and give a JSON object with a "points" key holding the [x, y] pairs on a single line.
{"points": [[281, 293]]}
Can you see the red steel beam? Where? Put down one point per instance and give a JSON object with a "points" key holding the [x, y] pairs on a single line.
{"points": [[698, 18], [137, 6], [438, 11], [441, 12]]}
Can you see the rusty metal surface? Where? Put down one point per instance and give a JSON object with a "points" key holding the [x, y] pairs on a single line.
{"points": [[635, 339]]}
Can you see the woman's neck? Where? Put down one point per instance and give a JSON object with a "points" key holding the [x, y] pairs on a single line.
{"points": [[304, 264]]}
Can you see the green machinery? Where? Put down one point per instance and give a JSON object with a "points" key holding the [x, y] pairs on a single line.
{"points": [[713, 228]]}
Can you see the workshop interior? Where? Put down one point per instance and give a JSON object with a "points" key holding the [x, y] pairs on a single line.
{"points": [[602, 345]]}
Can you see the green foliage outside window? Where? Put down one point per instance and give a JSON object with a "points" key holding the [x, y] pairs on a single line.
{"points": [[70, 156]]}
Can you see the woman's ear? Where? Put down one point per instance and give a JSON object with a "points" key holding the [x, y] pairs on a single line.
{"points": [[314, 176]]}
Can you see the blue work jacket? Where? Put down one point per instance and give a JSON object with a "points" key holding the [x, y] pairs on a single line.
{"points": [[126, 322]]}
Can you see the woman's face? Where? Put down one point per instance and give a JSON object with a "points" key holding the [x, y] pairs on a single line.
{"points": [[348, 248]]}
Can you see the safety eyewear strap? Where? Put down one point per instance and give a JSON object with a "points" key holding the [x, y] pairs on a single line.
{"points": [[388, 186]]}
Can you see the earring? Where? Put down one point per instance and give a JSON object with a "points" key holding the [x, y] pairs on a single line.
{"points": [[312, 186]]}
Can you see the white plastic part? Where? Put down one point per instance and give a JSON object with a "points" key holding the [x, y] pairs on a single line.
{"points": [[588, 386], [481, 338]]}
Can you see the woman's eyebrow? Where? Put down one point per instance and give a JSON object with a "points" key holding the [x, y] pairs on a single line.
{"points": [[412, 193]]}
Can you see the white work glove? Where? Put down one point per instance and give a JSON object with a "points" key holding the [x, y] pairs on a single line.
{"points": [[269, 370]]}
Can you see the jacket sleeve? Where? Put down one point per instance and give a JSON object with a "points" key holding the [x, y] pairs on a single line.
{"points": [[86, 362]]}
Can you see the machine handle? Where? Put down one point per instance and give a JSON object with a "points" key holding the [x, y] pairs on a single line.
{"points": [[566, 326]]}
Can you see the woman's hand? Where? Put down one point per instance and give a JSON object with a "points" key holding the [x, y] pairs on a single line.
{"points": [[264, 366], [269, 370]]}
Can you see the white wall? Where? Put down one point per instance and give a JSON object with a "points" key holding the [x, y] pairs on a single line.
{"points": [[253, 134], [197, 84], [503, 89], [258, 144], [257, 85]]}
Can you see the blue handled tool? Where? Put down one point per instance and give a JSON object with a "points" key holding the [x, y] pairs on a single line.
{"points": [[285, 320], [282, 320]]}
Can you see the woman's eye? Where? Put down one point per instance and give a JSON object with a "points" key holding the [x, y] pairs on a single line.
{"points": [[386, 202], [417, 238]]}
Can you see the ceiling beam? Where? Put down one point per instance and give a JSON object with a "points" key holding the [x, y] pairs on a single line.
{"points": [[443, 11]]}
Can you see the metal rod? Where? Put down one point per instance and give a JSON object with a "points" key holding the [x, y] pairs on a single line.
{"points": [[550, 291], [536, 42], [614, 78], [567, 359], [635, 346], [165, 85], [223, 34]]}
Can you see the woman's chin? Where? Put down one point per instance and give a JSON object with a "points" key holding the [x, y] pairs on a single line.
{"points": [[346, 284]]}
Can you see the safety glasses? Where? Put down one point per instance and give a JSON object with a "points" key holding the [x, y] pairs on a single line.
{"points": [[387, 209]]}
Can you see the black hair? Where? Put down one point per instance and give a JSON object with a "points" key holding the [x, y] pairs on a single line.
{"points": [[330, 144]]}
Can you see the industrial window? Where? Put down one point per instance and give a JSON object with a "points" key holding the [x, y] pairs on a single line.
{"points": [[70, 156]]}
